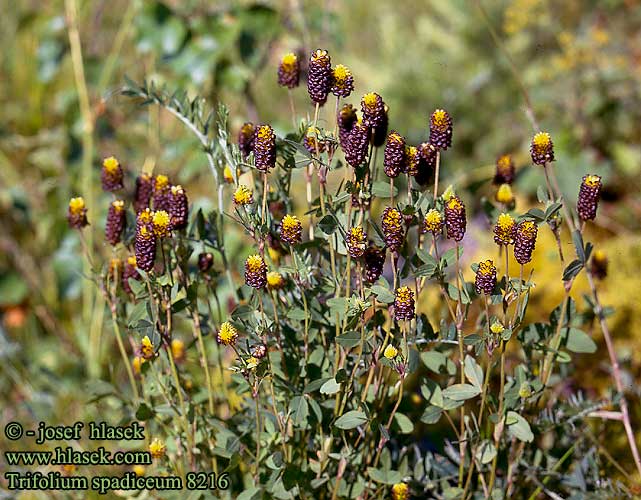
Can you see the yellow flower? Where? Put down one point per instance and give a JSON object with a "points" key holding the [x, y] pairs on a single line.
{"points": [[161, 181], [497, 328], [254, 263], [486, 267], [227, 334], [440, 120], [227, 174], [243, 195], [275, 280], [147, 348], [400, 491], [178, 349], [252, 362], [592, 181], [77, 205], [289, 61], [390, 352], [433, 222], [137, 364], [139, 470], [504, 194], [111, 164], [157, 448], [161, 222]]}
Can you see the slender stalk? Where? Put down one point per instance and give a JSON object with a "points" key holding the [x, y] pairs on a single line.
{"points": [[123, 352], [616, 372], [498, 431], [86, 177], [461, 348], [436, 173], [292, 106]]}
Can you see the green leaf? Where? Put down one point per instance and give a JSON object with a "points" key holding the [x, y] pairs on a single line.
{"points": [[330, 387], [486, 452], [383, 294], [577, 239], [541, 194], [315, 385], [139, 312], [405, 425], [461, 392], [350, 420], [144, 412], [297, 314], [473, 372], [349, 339], [386, 476], [431, 415], [579, 341], [381, 189], [328, 224], [426, 257], [299, 410], [432, 393], [438, 362], [520, 429], [572, 270]]}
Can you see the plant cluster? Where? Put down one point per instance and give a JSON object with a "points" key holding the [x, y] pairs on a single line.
{"points": [[317, 369]]}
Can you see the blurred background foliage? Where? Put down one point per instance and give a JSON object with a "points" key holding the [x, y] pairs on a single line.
{"points": [[578, 61]]}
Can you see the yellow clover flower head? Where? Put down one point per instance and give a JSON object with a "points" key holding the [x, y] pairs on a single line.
{"points": [[390, 352], [157, 448]]}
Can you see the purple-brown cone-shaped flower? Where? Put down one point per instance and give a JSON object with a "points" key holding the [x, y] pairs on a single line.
{"points": [[589, 194], [246, 139], [505, 170], [255, 271], [433, 222], [394, 154], [373, 109], [427, 154], [504, 230], [412, 160], [77, 213], [404, 304], [392, 226], [145, 242], [379, 134], [289, 71], [525, 241], [319, 78], [356, 242], [342, 81], [144, 191], [162, 188], [178, 207], [291, 229], [115, 225], [265, 148], [485, 277], [111, 175], [441, 129], [542, 149], [374, 263], [346, 119], [455, 220], [356, 150]]}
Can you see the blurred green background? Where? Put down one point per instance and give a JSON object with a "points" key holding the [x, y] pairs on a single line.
{"points": [[62, 63]]}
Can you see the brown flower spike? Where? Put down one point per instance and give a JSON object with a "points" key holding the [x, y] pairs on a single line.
{"points": [[289, 71]]}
